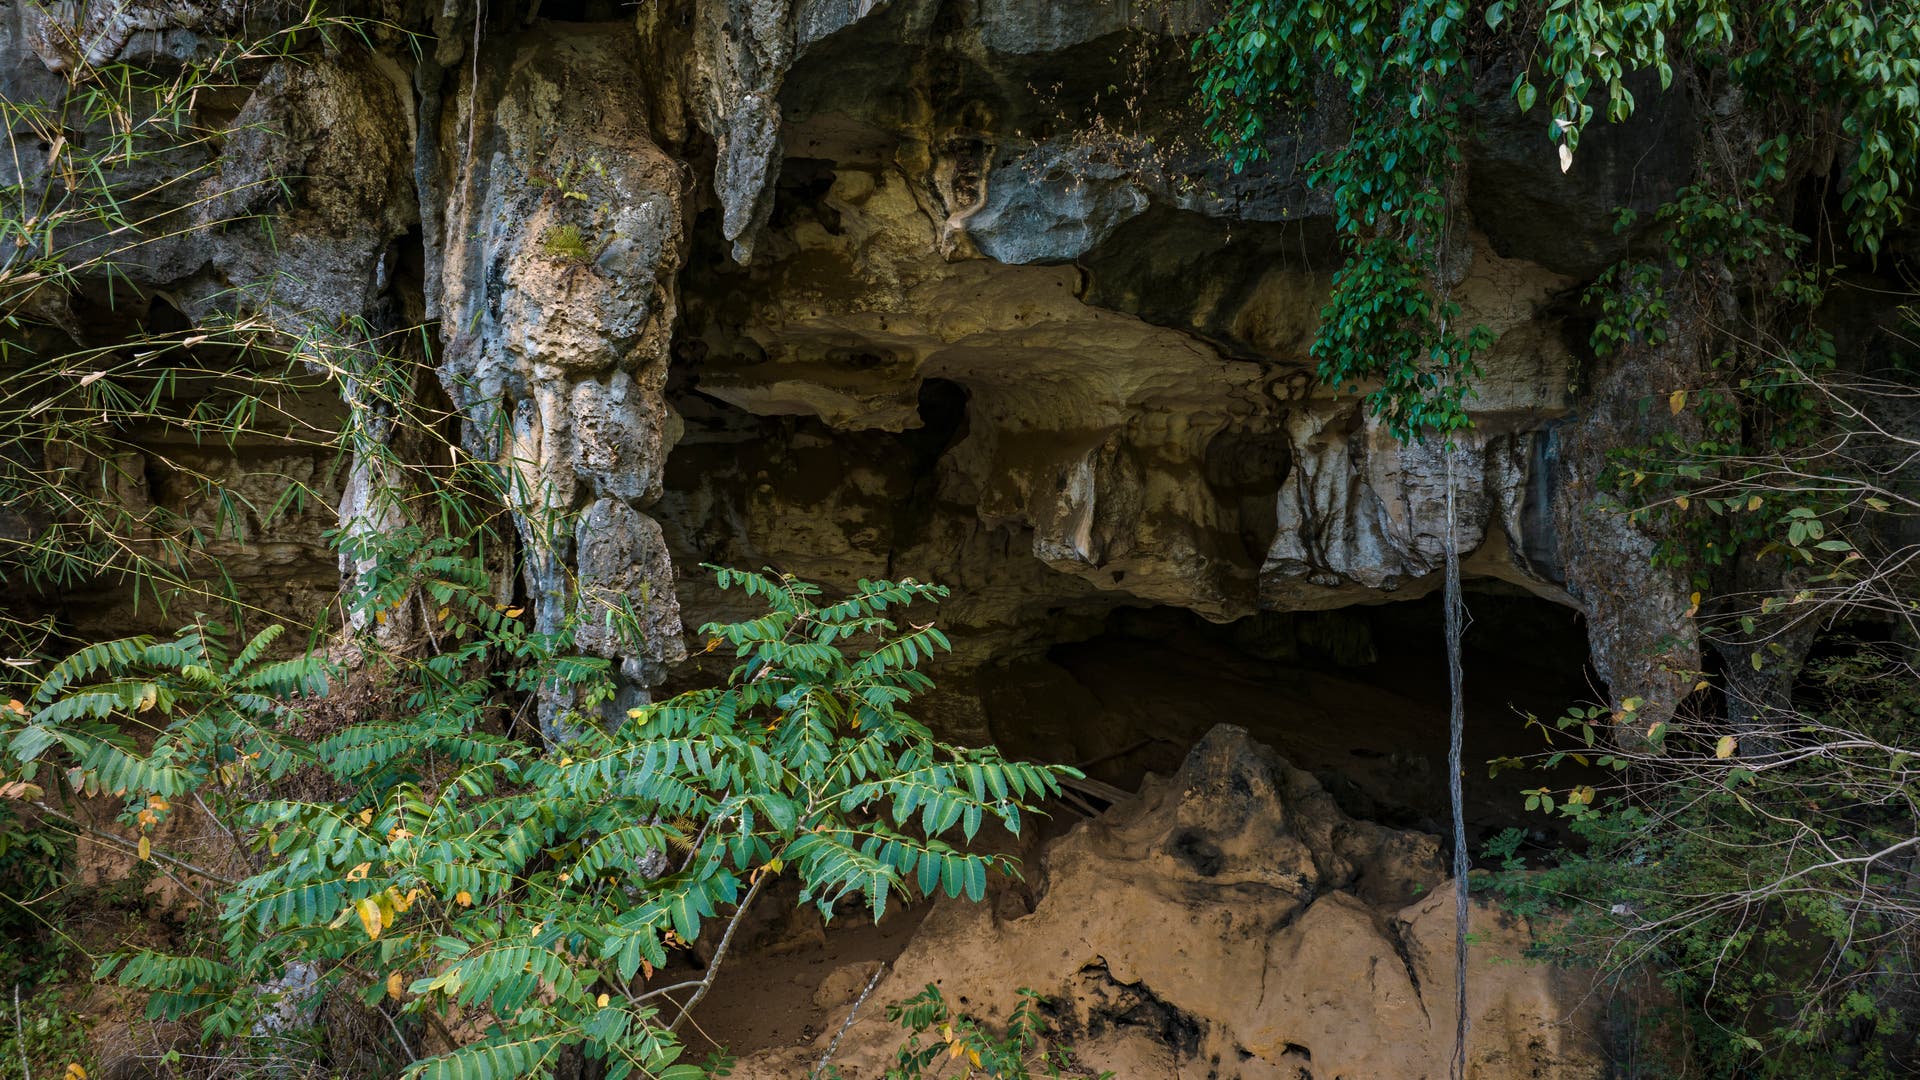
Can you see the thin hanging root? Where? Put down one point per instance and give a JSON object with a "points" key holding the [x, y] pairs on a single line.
{"points": [[1456, 613]]}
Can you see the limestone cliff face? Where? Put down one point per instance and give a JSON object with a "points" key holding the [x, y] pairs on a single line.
{"points": [[939, 289], [997, 238], [930, 288]]}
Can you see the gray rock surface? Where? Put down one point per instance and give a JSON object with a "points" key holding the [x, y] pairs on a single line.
{"points": [[567, 234], [957, 292]]}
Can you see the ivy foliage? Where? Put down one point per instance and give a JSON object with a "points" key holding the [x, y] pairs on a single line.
{"points": [[1758, 409], [542, 888], [1404, 73], [1831, 78]]}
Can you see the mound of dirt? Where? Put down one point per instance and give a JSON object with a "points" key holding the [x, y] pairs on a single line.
{"points": [[1231, 922]]}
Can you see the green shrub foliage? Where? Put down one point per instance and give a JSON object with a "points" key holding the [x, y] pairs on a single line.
{"points": [[1773, 893], [538, 886]]}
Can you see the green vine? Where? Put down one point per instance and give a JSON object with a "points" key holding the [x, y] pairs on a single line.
{"points": [[1388, 321], [1841, 75], [1757, 400]]}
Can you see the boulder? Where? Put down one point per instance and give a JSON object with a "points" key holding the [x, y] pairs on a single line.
{"points": [[1231, 921]]}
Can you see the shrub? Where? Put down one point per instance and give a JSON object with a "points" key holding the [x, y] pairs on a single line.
{"points": [[539, 885]]}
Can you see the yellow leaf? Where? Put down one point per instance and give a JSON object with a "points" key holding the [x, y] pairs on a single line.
{"points": [[396, 986], [370, 917], [602, 1000], [463, 898], [1753, 503], [360, 872], [443, 613], [75, 1072], [1676, 401], [514, 612], [1701, 685], [366, 817], [958, 1049], [14, 705], [146, 849], [1630, 704], [380, 617], [1725, 749], [1693, 605], [1682, 502], [646, 969], [974, 1056]]}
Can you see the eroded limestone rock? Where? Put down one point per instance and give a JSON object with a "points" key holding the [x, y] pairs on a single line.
{"points": [[1006, 204], [560, 296], [1231, 921]]}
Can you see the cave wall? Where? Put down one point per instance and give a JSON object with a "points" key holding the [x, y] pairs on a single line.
{"points": [[1011, 205], [954, 290], [948, 290]]}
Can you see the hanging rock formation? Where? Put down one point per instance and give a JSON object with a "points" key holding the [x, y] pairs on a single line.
{"points": [[972, 271], [564, 233]]}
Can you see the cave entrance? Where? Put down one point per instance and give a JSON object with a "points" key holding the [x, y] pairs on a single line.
{"points": [[1357, 696]]}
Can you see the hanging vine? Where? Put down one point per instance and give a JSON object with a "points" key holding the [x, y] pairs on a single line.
{"points": [[1843, 74]]}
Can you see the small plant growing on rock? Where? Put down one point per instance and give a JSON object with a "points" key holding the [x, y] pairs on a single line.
{"points": [[566, 243], [953, 1046]]}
